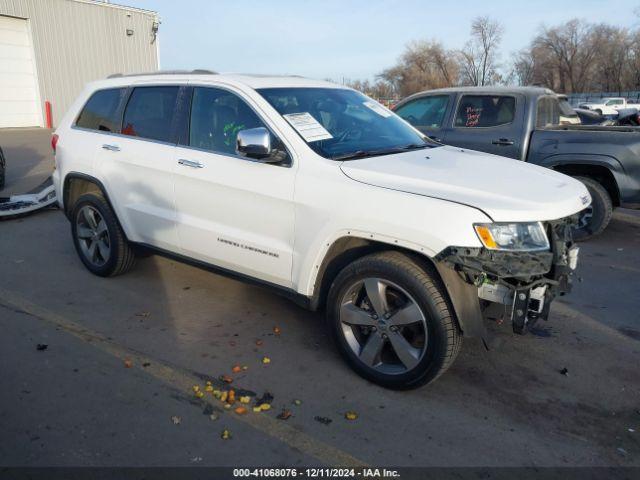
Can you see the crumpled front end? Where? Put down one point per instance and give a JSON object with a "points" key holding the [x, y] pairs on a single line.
{"points": [[512, 285]]}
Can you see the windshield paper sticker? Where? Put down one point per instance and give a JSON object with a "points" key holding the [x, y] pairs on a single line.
{"points": [[379, 109], [308, 127]]}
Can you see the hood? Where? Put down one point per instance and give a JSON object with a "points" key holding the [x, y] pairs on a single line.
{"points": [[505, 189]]}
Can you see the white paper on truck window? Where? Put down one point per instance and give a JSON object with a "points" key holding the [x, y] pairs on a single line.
{"points": [[307, 126], [379, 109]]}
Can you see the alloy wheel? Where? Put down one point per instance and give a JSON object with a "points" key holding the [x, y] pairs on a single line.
{"points": [[384, 326], [93, 236]]}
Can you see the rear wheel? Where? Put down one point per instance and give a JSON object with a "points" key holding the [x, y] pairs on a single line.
{"points": [[594, 219], [98, 238], [391, 321], [2, 169]]}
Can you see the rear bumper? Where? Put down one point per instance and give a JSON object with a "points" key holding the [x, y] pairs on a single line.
{"points": [[517, 286]]}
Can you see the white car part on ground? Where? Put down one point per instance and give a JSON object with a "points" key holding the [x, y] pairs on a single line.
{"points": [[16, 205]]}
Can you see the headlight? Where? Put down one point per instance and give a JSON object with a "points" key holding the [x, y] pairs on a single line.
{"points": [[523, 237]]}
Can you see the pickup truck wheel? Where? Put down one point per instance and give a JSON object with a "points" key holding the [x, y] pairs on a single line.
{"points": [[98, 238], [594, 219], [391, 321], [2, 169]]}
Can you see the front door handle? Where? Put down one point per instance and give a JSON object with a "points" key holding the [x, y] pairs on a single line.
{"points": [[505, 142], [111, 148], [190, 163]]}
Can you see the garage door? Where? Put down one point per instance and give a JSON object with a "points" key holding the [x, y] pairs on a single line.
{"points": [[18, 86]]}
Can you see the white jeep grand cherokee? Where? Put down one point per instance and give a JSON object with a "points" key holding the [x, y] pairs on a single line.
{"points": [[323, 194]]}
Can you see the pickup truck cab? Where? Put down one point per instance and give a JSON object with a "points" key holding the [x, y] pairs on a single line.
{"points": [[527, 124], [607, 106], [325, 196]]}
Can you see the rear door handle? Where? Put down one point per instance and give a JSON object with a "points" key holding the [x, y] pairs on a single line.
{"points": [[111, 148], [190, 163], [503, 141]]}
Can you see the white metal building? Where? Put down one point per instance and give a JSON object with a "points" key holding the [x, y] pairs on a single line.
{"points": [[50, 48]]}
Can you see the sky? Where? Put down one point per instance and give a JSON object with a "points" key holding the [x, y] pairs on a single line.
{"points": [[348, 39]]}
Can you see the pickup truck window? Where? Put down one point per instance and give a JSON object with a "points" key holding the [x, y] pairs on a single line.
{"points": [[101, 111], [485, 111], [615, 101], [425, 112], [548, 112], [149, 113], [342, 124]]}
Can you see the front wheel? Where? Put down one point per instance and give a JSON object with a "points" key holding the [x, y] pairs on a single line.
{"points": [[392, 322], [595, 218]]}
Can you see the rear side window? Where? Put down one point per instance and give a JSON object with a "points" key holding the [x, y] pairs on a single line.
{"points": [[101, 111], [548, 112], [425, 112], [149, 113], [485, 111]]}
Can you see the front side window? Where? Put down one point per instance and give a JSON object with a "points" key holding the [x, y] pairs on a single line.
{"points": [[425, 112], [343, 124], [101, 111], [149, 113], [485, 111], [216, 118]]}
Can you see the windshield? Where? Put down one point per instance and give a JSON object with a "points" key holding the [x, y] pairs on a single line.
{"points": [[343, 124]]}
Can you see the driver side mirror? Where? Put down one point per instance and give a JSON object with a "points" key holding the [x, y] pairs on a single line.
{"points": [[254, 143]]}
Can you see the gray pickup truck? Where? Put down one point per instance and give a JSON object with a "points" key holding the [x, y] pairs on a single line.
{"points": [[529, 124]]}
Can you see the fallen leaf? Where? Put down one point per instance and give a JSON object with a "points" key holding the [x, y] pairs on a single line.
{"points": [[244, 367], [223, 396], [351, 415], [199, 394], [196, 388], [276, 330], [245, 399], [226, 378], [297, 402], [209, 388], [231, 397], [213, 417], [217, 394], [226, 434], [266, 360], [259, 342], [176, 420], [128, 363], [241, 410], [265, 406], [41, 347], [266, 398], [257, 409], [227, 406], [236, 369], [284, 415]]}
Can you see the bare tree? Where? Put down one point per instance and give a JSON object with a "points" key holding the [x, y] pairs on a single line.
{"points": [[479, 57]]}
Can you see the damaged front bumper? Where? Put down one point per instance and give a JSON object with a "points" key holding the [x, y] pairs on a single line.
{"points": [[507, 285]]}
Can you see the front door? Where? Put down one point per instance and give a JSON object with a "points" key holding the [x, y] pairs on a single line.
{"points": [[232, 211]]}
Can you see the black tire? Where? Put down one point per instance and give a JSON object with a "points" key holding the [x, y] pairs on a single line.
{"points": [[2, 169], [121, 257], [600, 211], [444, 338], [598, 111]]}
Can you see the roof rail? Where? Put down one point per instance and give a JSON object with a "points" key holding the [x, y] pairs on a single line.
{"points": [[198, 71]]}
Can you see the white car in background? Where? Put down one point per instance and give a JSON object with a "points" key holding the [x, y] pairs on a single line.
{"points": [[608, 106], [324, 195]]}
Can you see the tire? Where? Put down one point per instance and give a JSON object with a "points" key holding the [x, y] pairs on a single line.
{"points": [[111, 253], [598, 111], [407, 287], [2, 169], [596, 218]]}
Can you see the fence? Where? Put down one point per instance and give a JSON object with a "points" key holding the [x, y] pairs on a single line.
{"points": [[576, 98]]}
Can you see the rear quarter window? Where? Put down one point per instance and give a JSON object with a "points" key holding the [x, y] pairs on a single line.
{"points": [[425, 112], [101, 111]]}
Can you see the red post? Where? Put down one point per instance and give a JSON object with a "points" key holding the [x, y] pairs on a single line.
{"points": [[49, 116]]}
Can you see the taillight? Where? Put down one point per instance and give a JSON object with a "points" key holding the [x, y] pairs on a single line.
{"points": [[54, 142]]}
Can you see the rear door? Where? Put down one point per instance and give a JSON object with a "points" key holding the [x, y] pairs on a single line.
{"points": [[136, 165], [427, 114], [491, 123]]}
